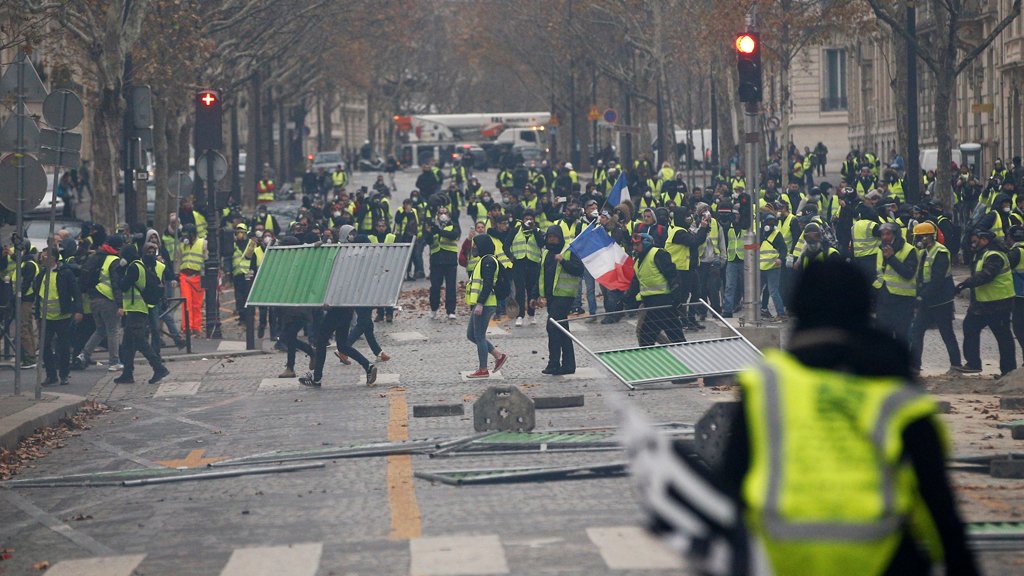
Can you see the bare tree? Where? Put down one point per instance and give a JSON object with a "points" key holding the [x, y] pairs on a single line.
{"points": [[946, 51]]}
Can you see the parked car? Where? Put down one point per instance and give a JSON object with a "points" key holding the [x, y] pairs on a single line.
{"points": [[38, 230], [328, 161], [43, 209]]}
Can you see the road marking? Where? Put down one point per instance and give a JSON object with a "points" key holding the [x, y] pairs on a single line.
{"points": [[405, 510], [193, 460], [582, 374], [293, 560], [122, 453], [494, 376], [161, 414], [177, 389], [406, 336], [631, 322], [389, 379], [81, 539], [231, 346], [454, 555], [578, 327], [102, 566], [632, 548], [279, 384]]}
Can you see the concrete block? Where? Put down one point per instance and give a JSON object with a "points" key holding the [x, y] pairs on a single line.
{"points": [[503, 408], [1011, 403], [762, 336], [1007, 468], [1017, 432], [552, 402], [435, 410], [944, 406]]}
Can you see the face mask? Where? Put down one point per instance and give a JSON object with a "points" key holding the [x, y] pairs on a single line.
{"points": [[813, 246], [122, 262], [974, 246], [443, 218], [266, 241], [920, 245], [647, 195], [767, 228], [593, 213], [1006, 210], [337, 213], [149, 259]]}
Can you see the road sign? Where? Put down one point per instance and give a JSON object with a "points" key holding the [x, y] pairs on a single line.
{"points": [[611, 116], [555, 120], [627, 129], [63, 110], [35, 182], [220, 166], [31, 91], [774, 123], [58, 148], [179, 185], [9, 134], [593, 115]]}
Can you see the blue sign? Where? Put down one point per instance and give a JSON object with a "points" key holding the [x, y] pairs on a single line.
{"points": [[611, 116]]}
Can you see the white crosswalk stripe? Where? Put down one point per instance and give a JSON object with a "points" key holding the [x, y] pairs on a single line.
{"points": [[455, 555], [293, 560], [231, 346], [632, 548], [100, 566]]}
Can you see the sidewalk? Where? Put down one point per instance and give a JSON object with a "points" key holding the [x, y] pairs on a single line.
{"points": [[21, 415]]}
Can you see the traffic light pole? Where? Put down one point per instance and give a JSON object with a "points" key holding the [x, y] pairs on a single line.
{"points": [[212, 264], [751, 166]]}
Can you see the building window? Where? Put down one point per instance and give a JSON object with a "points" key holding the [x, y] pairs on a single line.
{"points": [[834, 72]]}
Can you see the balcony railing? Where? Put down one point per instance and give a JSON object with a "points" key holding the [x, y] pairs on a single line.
{"points": [[833, 104]]}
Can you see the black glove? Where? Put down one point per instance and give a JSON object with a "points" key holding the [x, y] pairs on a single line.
{"points": [[960, 287]]}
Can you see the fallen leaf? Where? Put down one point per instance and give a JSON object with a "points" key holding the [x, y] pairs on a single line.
{"points": [[41, 565]]}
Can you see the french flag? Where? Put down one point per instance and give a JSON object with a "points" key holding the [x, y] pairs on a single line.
{"points": [[605, 260], [619, 192]]}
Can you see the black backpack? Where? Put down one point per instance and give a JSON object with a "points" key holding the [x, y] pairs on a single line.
{"points": [[153, 293], [503, 285]]}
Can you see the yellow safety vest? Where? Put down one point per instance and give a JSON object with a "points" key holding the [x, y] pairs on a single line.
{"points": [[439, 243], [565, 284], [896, 189], [30, 291], [827, 491], [819, 257], [997, 227], [928, 260], [159, 268], [476, 284], [864, 242], [1001, 287], [52, 304], [525, 246], [499, 253], [239, 263], [104, 286], [734, 246], [652, 281], [201, 225], [133, 300], [712, 239], [339, 179], [680, 254], [893, 282], [192, 256], [786, 229], [388, 239], [769, 254]]}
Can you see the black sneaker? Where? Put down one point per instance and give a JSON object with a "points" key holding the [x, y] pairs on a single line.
{"points": [[65, 381], [77, 364], [550, 371], [159, 375], [124, 380], [307, 380], [50, 381], [371, 374]]}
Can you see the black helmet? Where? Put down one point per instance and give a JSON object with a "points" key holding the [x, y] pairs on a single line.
{"points": [[986, 234], [1016, 233]]}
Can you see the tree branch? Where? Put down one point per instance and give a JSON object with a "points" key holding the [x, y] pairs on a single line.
{"points": [[1007, 20], [900, 29]]}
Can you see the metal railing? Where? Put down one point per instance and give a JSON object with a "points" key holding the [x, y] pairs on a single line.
{"points": [[177, 302]]}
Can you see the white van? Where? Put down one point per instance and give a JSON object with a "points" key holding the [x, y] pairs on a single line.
{"points": [[930, 158]]}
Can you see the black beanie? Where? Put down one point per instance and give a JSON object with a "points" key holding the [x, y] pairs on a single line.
{"points": [[832, 294]]}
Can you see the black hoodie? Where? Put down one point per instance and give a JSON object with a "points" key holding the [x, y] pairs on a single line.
{"points": [[571, 265], [484, 246]]}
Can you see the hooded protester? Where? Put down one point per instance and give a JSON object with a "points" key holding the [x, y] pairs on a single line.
{"points": [[656, 282], [364, 324], [682, 245], [294, 319], [482, 299], [442, 235], [100, 282], [136, 319], [560, 274], [834, 353], [896, 283]]}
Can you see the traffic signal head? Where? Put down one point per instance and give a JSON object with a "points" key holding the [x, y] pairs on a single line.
{"points": [[208, 129], [748, 63], [746, 211]]}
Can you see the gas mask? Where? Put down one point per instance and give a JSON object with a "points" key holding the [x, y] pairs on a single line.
{"points": [[149, 259], [337, 213], [648, 195], [122, 262], [443, 218], [920, 245], [1006, 209]]}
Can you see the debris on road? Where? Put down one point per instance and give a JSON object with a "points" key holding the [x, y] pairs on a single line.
{"points": [[44, 440]]}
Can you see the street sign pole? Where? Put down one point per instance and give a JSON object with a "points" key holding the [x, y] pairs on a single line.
{"points": [[752, 138], [19, 247]]}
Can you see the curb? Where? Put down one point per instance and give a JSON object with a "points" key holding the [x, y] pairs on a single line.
{"points": [[213, 355], [22, 424]]}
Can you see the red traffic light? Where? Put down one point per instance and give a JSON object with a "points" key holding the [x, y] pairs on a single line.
{"points": [[208, 97], [746, 44]]}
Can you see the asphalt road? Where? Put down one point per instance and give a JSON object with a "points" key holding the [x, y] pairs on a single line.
{"points": [[353, 516]]}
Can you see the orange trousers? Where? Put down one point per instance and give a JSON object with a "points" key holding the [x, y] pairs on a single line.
{"points": [[192, 292]]}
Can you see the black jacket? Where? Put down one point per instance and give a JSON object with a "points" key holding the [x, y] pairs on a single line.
{"points": [[484, 246], [571, 265]]}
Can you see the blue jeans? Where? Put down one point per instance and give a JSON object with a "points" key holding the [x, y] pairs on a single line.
{"points": [[476, 331], [773, 280], [733, 285], [586, 281], [612, 299]]}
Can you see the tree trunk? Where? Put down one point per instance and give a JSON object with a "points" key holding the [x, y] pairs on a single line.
{"points": [[107, 120], [254, 157], [899, 51], [724, 85], [945, 82], [784, 96], [162, 202]]}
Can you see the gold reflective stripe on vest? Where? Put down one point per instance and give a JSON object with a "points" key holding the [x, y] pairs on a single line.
{"points": [[680, 253], [782, 529], [893, 282], [864, 242], [1000, 287]]}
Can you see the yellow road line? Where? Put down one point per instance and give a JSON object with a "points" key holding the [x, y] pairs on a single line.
{"points": [[405, 511]]}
